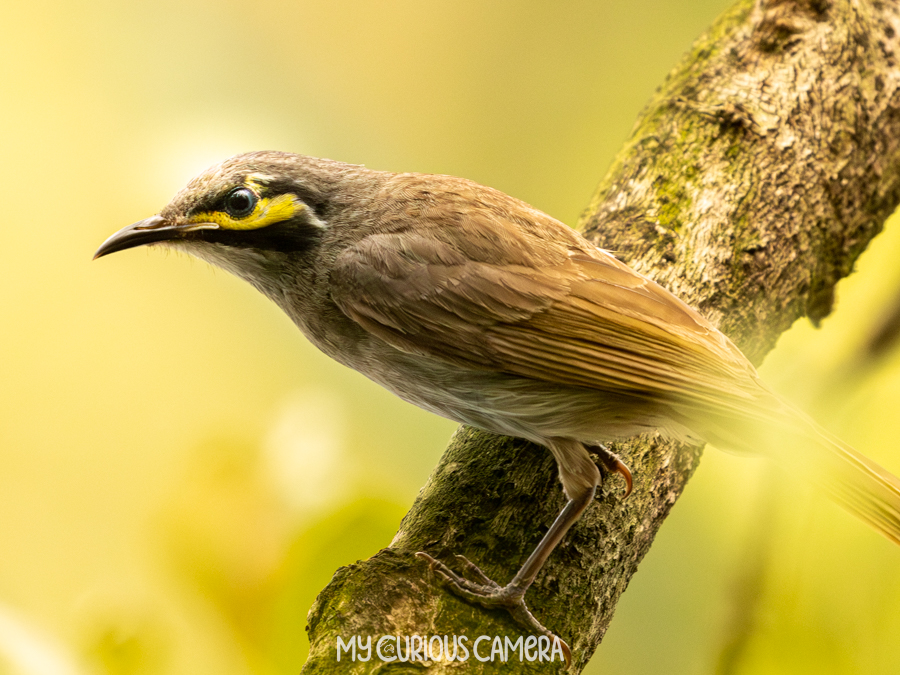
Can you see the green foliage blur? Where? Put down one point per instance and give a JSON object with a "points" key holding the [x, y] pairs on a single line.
{"points": [[181, 473]]}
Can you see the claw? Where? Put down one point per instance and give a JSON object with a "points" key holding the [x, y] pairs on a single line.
{"points": [[421, 555], [490, 594], [625, 472], [612, 464]]}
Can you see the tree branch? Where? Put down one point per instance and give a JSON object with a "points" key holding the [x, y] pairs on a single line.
{"points": [[751, 182]]}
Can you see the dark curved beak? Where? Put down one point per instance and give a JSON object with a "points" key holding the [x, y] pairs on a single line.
{"points": [[147, 231]]}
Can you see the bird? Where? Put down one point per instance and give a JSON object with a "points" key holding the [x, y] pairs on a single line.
{"points": [[478, 307]]}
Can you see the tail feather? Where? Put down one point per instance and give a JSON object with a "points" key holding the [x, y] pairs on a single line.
{"points": [[860, 485]]}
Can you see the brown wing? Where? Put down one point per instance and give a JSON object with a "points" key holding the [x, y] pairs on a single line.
{"points": [[549, 307]]}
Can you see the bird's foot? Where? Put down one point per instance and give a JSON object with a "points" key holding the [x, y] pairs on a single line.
{"points": [[481, 590], [610, 463]]}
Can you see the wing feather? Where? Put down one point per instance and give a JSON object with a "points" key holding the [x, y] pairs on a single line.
{"points": [[572, 315]]}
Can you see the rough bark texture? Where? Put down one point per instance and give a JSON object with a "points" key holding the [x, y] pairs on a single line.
{"points": [[752, 181]]}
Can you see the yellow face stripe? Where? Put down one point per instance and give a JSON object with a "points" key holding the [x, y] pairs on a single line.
{"points": [[268, 211]]}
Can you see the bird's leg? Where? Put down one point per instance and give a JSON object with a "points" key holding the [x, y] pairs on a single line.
{"points": [[488, 593], [610, 463]]}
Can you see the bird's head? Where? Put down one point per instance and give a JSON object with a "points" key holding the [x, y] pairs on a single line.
{"points": [[266, 204]]}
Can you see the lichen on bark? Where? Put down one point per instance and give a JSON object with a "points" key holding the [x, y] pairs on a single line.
{"points": [[753, 179]]}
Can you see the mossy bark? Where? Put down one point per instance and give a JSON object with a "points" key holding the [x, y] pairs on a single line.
{"points": [[754, 178]]}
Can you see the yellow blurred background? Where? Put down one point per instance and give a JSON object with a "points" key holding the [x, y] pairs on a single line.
{"points": [[170, 446]]}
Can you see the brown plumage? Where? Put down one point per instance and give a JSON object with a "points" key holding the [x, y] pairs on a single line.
{"points": [[473, 304]]}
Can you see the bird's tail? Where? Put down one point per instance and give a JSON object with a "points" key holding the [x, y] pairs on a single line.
{"points": [[792, 439]]}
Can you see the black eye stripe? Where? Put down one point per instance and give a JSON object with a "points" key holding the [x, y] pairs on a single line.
{"points": [[240, 202], [293, 235]]}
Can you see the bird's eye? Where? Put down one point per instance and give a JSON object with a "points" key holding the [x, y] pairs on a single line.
{"points": [[240, 202]]}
